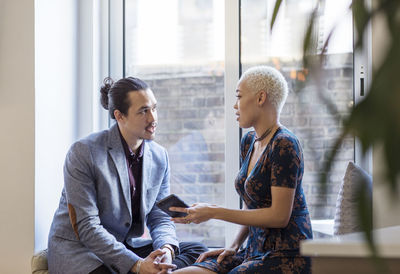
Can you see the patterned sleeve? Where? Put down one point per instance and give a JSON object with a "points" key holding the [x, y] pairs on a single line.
{"points": [[245, 144], [286, 162]]}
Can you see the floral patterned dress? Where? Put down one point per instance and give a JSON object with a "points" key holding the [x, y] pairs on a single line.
{"points": [[270, 250]]}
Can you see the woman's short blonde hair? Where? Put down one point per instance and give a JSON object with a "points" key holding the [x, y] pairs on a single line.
{"points": [[270, 80]]}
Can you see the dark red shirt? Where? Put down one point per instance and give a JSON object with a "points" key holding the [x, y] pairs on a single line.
{"points": [[135, 165]]}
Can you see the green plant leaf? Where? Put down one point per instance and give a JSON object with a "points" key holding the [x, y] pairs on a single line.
{"points": [[375, 121], [275, 13], [391, 11], [361, 17], [364, 218], [308, 42]]}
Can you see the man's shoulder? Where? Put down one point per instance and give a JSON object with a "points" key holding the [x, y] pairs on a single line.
{"points": [[96, 139], [154, 146], [158, 152]]}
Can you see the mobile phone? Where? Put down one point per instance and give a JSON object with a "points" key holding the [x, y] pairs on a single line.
{"points": [[172, 201]]}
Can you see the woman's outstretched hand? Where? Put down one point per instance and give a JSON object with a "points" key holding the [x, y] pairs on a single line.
{"points": [[221, 253], [197, 213]]}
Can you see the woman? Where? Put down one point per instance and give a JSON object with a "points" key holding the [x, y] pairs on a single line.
{"points": [[275, 217]]}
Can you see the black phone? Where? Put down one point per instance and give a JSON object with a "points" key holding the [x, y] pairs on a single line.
{"points": [[169, 201]]}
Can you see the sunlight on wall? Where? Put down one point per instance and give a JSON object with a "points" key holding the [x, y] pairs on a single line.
{"points": [[55, 55]]}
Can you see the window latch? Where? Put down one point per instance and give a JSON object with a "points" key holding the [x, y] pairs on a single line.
{"points": [[362, 87]]}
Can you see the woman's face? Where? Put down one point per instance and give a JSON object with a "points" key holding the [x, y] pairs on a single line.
{"points": [[247, 108]]}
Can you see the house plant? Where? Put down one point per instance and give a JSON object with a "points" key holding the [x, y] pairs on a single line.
{"points": [[375, 121]]}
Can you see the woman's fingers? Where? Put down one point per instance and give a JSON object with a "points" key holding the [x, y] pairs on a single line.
{"points": [[195, 214], [178, 209], [221, 257], [224, 254], [201, 258], [182, 220], [207, 254]]}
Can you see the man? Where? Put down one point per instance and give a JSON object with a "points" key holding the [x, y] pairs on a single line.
{"points": [[112, 180]]}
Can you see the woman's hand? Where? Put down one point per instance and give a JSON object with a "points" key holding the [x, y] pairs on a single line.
{"points": [[221, 253], [197, 213]]}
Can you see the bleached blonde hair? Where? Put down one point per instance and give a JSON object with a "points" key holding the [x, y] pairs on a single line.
{"points": [[270, 80]]}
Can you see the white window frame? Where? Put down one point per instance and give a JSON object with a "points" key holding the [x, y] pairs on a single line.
{"points": [[362, 63], [92, 65], [232, 142], [116, 39], [116, 71]]}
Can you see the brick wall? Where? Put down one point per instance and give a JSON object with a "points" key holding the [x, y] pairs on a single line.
{"points": [[191, 127]]}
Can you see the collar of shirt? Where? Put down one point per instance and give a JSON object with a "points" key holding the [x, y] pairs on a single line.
{"points": [[130, 155]]}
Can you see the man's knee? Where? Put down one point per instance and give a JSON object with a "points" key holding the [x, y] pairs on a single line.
{"points": [[192, 247], [189, 252]]}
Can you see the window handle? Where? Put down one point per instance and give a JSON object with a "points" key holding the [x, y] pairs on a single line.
{"points": [[362, 88]]}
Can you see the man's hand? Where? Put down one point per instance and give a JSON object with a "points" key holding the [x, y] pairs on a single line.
{"points": [[152, 265], [166, 258]]}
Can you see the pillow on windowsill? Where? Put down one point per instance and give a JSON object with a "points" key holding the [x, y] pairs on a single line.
{"points": [[346, 220], [39, 262]]}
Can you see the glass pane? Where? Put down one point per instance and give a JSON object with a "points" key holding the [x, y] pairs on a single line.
{"points": [[304, 113], [177, 46]]}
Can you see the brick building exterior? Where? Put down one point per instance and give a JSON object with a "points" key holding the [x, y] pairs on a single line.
{"points": [[191, 127]]}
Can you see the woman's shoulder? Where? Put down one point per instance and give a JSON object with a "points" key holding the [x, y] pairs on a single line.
{"points": [[284, 137], [248, 136], [246, 142]]}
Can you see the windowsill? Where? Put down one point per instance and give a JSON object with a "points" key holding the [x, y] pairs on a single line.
{"points": [[354, 245], [325, 227]]}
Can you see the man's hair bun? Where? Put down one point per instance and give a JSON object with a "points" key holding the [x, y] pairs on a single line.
{"points": [[104, 90]]}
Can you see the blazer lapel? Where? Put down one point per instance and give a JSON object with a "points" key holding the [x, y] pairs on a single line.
{"points": [[118, 156], [146, 175]]}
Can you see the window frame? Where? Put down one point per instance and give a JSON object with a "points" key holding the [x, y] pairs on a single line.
{"points": [[232, 49], [362, 68]]}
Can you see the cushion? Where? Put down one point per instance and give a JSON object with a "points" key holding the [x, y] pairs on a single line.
{"points": [[346, 220], [39, 262]]}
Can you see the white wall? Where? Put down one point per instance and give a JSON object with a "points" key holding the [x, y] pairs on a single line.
{"points": [[17, 137], [71, 47], [56, 89]]}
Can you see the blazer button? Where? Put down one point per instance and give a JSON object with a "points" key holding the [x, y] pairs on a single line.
{"points": [[127, 224]]}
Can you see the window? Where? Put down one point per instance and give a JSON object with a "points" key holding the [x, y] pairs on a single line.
{"points": [[305, 113], [178, 49]]}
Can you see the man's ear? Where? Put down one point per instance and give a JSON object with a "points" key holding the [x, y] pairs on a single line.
{"points": [[118, 115], [262, 97]]}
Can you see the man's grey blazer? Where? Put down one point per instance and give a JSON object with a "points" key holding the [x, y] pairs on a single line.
{"points": [[94, 216]]}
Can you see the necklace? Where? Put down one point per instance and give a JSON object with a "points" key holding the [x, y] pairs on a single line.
{"points": [[265, 134]]}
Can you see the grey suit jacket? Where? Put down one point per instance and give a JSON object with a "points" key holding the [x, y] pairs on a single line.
{"points": [[94, 216]]}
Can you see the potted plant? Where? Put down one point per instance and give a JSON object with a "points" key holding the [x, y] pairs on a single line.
{"points": [[376, 119]]}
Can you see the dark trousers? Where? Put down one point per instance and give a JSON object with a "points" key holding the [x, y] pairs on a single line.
{"points": [[189, 251]]}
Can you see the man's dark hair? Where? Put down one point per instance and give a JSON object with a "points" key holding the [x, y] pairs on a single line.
{"points": [[115, 95]]}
